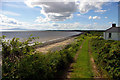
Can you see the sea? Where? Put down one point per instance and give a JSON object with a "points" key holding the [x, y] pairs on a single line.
{"points": [[44, 36]]}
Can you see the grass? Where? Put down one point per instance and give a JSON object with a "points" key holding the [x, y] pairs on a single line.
{"points": [[82, 68], [94, 53]]}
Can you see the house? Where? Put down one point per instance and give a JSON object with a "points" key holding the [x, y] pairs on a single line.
{"points": [[112, 33]]}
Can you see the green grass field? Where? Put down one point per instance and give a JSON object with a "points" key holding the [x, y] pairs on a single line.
{"points": [[82, 68]]}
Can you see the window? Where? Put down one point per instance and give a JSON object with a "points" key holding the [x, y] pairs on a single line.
{"points": [[109, 35]]}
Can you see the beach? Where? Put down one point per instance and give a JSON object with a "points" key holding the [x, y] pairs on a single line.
{"points": [[55, 46]]}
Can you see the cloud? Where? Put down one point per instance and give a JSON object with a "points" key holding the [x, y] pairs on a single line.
{"points": [[111, 22], [41, 20], [7, 22], [86, 6], [55, 24], [10, 13], [101, 11], [94, 17], [106, 17], [55, 11], [78, 14], [68, 26], [90, 17], [5, 19], [62, 9], [11, 23], [62, 0]]}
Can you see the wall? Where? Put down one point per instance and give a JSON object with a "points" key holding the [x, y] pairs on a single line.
{"points": [[114, 36], [104, 35], [119, 36]]}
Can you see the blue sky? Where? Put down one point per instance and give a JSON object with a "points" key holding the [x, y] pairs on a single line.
{"points": [[58, 16]]}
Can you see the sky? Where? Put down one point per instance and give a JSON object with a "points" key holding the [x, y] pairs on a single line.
{"points": [[58, 15]]}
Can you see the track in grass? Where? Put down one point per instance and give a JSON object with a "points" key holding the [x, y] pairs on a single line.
{"points": [[94, 67], [81, 68]]}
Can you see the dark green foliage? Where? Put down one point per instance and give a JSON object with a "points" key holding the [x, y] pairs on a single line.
{"points": [[44, 66], [108, 55], [21, 62], [95, 33], [12, 52]]}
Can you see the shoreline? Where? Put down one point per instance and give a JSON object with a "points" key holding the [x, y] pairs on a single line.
{"points": [[50, 42], [56, 46]]}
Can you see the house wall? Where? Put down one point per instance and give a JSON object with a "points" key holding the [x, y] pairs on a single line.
{"points": [[114, 36], [119, 36], [104, 35]]}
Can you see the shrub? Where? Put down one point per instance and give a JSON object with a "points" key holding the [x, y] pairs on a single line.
{"points": [[108, 55], [12, 51], [19, 62]]}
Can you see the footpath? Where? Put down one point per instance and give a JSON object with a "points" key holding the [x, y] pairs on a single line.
{"points": [[84, 66]]}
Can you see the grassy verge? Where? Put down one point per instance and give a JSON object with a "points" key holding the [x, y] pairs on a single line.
{"points": [[82, 68]]}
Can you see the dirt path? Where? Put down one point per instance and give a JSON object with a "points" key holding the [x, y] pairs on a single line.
{"points": [[70, 68], [94, 67], [55, 47]]}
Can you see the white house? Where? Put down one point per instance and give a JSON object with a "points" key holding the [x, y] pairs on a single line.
{"points": [[112, 33]]}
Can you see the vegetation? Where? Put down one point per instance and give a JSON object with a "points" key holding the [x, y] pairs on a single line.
{"points": [[107, 56], [94, 33], [21, 62], [82, 68], [12, 52]]}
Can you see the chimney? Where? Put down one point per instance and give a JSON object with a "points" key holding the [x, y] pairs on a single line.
{"points": [[113, 25]]}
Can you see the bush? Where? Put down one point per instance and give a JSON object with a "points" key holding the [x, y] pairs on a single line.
{"points": [[46, 65], [19, 62], [12, 51], [108, 55]]}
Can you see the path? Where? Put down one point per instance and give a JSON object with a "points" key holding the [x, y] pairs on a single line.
{"points": [[70, 69], [94, 67], [81, 68], [85, 65]]}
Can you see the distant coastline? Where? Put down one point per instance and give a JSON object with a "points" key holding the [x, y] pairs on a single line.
{"points": [[51, 30]]}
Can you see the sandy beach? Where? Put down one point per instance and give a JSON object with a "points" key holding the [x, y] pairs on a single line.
{"points": [[55, 46]]}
